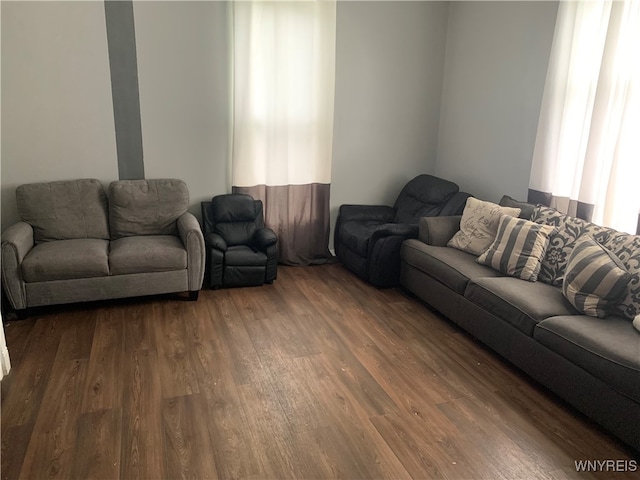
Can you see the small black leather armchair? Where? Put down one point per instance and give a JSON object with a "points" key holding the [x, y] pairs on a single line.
{"points": [[367, 238], [241, 251]]}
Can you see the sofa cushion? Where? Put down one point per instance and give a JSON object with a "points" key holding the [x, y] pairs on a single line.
{"points": [[609, 349], [479, 225], [627, 248], [569, 229], [452, 267], [243, 256], [64, 210], [595, 279], [518, 248], [66, 260], [356, 235], [522, 304], [526, 209], [146, 207], [146, 254]]}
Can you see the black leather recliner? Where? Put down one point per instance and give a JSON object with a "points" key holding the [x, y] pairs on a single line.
{"points": [[241, 251], [367, 238]]}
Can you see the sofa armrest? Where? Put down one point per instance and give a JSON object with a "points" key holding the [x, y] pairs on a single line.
{"points": [[17, 241], [375, 213], [191, 235], [437, 231]]}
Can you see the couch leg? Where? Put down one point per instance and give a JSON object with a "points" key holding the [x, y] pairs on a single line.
{"points": [[193, 295]]}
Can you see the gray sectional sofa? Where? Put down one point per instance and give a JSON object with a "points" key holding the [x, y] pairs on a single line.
{"points": [[592, 363], [75, 243]]}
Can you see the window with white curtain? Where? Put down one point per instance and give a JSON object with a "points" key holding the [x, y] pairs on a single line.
{"points": [[587, 153], [283, 98]]}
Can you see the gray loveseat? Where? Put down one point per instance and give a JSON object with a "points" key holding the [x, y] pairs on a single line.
{"points": [[592, 363], [76, 244]]}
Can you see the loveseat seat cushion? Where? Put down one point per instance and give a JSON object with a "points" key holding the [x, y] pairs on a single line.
{"points": [[66, 260], [146, 207], [522, 304], [64, 210], [452, 267], [607, 348], [146, 254]]}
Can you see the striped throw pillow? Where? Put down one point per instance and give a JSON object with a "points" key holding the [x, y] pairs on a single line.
{"points": [[518, 248], [595, 280]]}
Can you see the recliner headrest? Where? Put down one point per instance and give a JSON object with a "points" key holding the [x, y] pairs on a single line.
{"points": [[233, 207]]}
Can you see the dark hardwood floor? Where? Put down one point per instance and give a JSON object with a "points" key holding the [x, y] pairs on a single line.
{"points": [[316, 376]]}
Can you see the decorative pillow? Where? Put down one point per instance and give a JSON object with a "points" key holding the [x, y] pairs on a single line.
{"points": [[595, 279], [568, 230], [478, 225], [636, 323], [518, 248], [627, 248]]}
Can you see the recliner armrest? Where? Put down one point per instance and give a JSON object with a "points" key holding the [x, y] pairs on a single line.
{"points": [[216, 241], [17, 241], [437, 231], [408, 230], [264, 237], [377, 213]]}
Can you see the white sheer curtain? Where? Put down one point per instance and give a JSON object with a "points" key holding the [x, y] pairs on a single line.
{"points": [[5, 363], [587, 155], [284, 76]]}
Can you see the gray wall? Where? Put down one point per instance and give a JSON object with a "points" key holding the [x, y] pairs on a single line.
{"points": [[495, 68], [183, 74], [395, 116], [57, 115], [388, 86]]}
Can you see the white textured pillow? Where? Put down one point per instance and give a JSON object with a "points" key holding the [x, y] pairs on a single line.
{"points": [[479, 225]]}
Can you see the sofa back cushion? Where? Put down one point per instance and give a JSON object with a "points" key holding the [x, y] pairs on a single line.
{"points": [[424, 196], [146, 207], [64, 210], [236, 217]]}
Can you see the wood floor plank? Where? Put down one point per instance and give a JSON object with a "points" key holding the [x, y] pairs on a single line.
{"points": [[279, 453], [15, 441], [99, 437], [186, 446], [317, 376], [139, 328], [226, 421], [52, 445], [140, 456], [245, 364], [104, 378], [30, 377], [172, 341], [424, 453]]}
